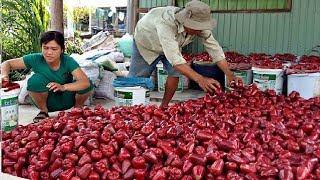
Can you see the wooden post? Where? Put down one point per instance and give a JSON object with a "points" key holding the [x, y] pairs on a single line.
{"points": [[135, 13], [56, 13], [132, 9], [173, 3]]}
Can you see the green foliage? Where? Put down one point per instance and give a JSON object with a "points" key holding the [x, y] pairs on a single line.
{"points": [[22, 23], [74, 45], [81, 15], [17, 75]]}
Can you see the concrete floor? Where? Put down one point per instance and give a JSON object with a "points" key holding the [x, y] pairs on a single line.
{"points": [[28, 112]]}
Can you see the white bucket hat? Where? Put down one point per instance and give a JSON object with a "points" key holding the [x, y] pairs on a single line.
{"points": [[196, 15]]}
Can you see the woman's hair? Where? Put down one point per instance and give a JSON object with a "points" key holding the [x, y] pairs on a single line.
{"points": [[52, 35]]}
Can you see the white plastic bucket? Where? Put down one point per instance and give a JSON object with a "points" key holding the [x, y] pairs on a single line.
{"points": [[308, 85], [128, 96], [9, 109], [162, 78], [268, 79], [245, 75]]}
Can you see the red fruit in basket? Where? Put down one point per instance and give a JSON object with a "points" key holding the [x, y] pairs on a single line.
{"points": [[187, 166], [33, 136], [198, 159], [66, 147], [78, 141], [56, 173], [248, 168], [286, 174], [55, 165], [175, 173], [150, 156], [198, 172], [96, 154], [204, 136], [142, 143], [231, 166], [124, 154], [107, 150], [139, 162], [84, 171], [8, 162], [76, 111], [126, 164], [160, 175], [31, 145], [93, 144], [113, 175], [94, 176], [140, 174], [84, 159], [217, 167], [272, 171], [129, 174], [67, 174], [34, 175], [120, 136]]}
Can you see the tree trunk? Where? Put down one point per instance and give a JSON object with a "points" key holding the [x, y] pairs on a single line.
{"points": [[56, 11]]}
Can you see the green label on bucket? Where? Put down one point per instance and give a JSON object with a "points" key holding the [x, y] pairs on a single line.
{"points": [[9, 113], [123, 95], [123, 98], [162, 78], [265, 76], [265, 81], [9, 101], [245, 76]]}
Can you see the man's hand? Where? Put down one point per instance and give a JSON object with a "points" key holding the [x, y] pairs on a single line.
{"points": [[209, 85], [236, 79], [53, 86]]}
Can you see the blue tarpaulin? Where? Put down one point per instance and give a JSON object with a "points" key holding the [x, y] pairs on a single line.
{"points": [[133, 81]]}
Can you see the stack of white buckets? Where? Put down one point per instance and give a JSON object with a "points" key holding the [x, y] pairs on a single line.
{"points": [[263, 78], [307, 84]]}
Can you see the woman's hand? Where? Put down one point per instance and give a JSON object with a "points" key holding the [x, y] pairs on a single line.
{"points": [[4, 81], [53, 86]]}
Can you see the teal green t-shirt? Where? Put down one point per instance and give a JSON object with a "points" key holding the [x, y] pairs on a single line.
{"points": [[63, 75]]}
